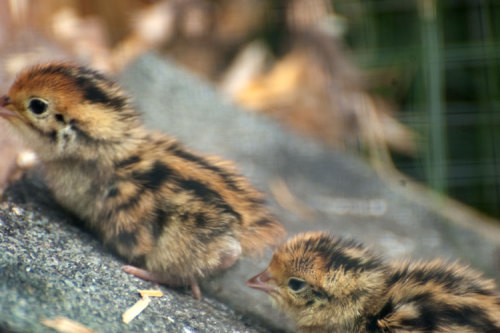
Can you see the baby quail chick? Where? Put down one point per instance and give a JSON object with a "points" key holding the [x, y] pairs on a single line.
{"points": [[330, 284], [177, 215]]}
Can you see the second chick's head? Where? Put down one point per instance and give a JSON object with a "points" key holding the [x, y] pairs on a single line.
{"points": [[66, 110], [323, 282]]}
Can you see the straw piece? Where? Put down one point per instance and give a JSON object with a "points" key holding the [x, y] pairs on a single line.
{"points": [[135, 309]]}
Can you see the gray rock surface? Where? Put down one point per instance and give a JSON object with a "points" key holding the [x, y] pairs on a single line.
{"points": [[50, 267]]}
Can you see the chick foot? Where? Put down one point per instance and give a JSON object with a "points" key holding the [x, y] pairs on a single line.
{"points": [[160, 279]]}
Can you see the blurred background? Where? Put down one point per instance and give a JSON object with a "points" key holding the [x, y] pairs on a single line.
{"points": [[412, 86]]}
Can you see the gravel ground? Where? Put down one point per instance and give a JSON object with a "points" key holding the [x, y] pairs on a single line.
{"points": [[49, 267]]}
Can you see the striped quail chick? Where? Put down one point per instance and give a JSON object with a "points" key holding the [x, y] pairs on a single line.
{"points": [[177, 215], [330, 284]]}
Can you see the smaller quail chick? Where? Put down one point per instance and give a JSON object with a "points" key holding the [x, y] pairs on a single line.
{"points": [[330, 284]]}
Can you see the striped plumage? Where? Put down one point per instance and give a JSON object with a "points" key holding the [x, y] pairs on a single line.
{"points": [[330, 284], [173, 212]]}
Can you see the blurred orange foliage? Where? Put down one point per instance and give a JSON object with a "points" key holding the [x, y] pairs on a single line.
{"points": [[303, 77]]}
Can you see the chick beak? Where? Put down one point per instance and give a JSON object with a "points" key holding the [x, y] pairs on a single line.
{"points": [[5, 113], [262, 282]]}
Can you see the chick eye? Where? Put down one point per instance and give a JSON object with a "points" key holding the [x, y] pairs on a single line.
{"points": [[37, 106], [296, 284]]}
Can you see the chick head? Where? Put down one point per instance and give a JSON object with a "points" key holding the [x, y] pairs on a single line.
{"points": [[60, 108], [321, 280]]}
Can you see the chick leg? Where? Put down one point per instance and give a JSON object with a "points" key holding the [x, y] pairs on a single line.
{"points": [[195, 289], [226, 260], [158, 278]]}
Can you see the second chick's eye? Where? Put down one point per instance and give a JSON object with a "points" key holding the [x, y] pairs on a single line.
{"points": [[37, 106], [296, 284]]}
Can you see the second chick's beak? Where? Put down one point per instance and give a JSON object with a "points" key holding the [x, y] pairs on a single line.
{"points": [[5, 113], [263, 281]]}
